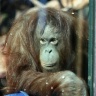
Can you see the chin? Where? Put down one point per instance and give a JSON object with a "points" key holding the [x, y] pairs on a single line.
{"points": [[51, 69]]}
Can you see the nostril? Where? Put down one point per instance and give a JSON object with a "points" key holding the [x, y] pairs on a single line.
{"points": [[50, 51]]}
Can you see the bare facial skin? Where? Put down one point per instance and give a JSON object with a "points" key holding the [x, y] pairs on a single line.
{"points": [[3, 68]]}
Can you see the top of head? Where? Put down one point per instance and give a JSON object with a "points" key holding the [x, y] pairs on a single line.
{"points": [[33, 24]]}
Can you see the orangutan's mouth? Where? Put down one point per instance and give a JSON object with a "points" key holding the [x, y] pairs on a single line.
{"points": [[50, 65]]}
